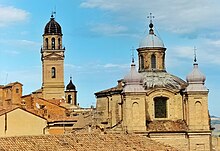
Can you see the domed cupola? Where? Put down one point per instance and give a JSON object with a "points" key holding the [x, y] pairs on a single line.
{"points": [[151, 40], [52, 27], [195, 76], [133, 77], [133, 80], [70, 86], [196, 79]]}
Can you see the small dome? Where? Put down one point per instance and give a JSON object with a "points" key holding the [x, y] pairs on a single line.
{"points": [[133, 77], [71, 86], [195, 76], [52, 27]]}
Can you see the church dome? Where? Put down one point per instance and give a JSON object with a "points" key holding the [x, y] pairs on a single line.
{"points": [[162, 80], [52, 27], [133, 77], [151, 40], [195, 76], [70, 86]]}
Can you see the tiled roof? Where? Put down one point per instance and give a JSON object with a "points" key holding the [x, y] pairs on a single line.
{"points": [[11, 84], [82, 142], [164, 125], [109, 91]]}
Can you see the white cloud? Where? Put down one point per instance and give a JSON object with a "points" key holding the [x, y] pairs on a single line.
{"points": [[111, 65], [10, 15], [102, 4], [181, 17], [108, 29]]}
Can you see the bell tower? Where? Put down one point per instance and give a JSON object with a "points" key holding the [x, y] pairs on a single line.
{"points": [[52, 57]]}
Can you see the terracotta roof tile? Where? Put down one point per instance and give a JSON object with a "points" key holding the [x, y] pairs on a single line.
{"points": [[166, 125], [82, 142]]}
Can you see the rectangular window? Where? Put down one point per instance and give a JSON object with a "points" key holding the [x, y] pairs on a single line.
{"points": [[160, 107]]}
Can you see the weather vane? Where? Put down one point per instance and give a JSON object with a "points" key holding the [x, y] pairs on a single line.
{"points": [[53, 12]]}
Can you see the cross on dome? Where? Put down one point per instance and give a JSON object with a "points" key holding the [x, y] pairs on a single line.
{"points": [[151, 17], [151, 25], [132, 54], [195, 60]]}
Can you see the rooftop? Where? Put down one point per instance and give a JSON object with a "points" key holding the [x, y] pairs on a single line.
{"points": [[81, 142]]}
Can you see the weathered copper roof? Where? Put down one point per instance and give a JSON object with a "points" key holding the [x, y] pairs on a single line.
{"points": [[162, 80]]}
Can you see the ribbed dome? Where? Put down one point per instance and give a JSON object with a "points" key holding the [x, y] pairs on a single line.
{"points": [[151, 40], [195, 76], [133, 77], [52, 27], [71, 86]]}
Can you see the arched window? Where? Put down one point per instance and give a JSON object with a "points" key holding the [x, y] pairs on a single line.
{"points": [[141, 62], [59, 43], [69, 99], [153, 61], [53, 72], [53, 43], [198, 112], [135, 114], [160, 107], [46, 43]]}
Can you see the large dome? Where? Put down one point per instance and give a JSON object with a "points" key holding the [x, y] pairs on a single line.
{"points": [[151, 40], [52, 27]]}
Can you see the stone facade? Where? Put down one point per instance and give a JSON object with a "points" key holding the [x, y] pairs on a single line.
{"points": [[10, 94], [157, 104], [16, 122]]}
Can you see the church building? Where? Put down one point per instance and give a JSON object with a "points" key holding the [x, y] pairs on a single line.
{"points": [[156, 104]]}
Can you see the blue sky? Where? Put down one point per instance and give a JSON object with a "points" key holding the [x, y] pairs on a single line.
{"points": [[98, 36]]}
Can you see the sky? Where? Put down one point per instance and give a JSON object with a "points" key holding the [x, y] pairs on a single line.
{"points": [[98, 36]]}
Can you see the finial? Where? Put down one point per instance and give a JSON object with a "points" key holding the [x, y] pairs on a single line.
{"points": [[53, 14], [132, 54], [151, 31], [71, 77], [195, 60]]}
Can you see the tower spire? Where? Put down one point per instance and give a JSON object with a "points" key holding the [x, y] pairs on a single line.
{"points": [[151, 25], [132, 55]]}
